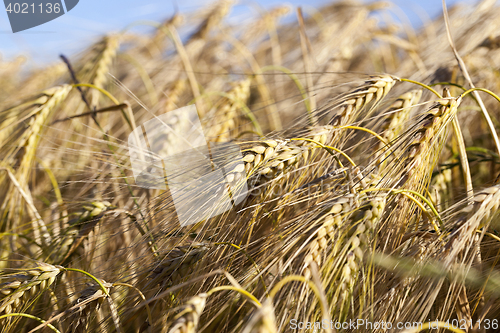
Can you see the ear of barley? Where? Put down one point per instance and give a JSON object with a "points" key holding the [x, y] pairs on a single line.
{"points": [[265, 160], [50, 100], [173, 94], [263, 320], [261, 26], [323, 134], [484, 207], [439, 189], [225, 118], [156, 44], [30, 140], [398, 115], [88, 302], [425, 137], [220, 10], [22, 111], [327, 232], [110, 47], [25, 285], [358, 246], [91, 211], [177, 264], [186, 321], [399, 112], [8, 71], [373, 90], [45, 78], [80, 227]]}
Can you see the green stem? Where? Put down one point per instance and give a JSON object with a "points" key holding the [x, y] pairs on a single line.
{"points": [[403, 191], [111, 97], [241, 291], [103, 288], [31, 317], [249, 258], [150, 317], [423, 86], [480, 89], [300, 278], [448, 84], [328, 148]]}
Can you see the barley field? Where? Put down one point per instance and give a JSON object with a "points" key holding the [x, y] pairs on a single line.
{"points": [[369, 153]]}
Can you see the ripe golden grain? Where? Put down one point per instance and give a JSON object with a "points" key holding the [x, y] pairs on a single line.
{"points": [[377, 253]]}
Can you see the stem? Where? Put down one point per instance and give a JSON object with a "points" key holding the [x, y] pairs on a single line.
{"points": [[249, 258], [368, 131], [148, 310], [489, 234], [174, 35], [31, 317], [104, 91], [299, 278], [111, 97], [463, 68], [105, 291], [132, 125], [423, 86], [483, 90], [448, 84], [328, 148], [241, 291], [146, 79], [403, 191], [463, 156]]}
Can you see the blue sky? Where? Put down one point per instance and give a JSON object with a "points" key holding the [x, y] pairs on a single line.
{"points": [[90, 19]]}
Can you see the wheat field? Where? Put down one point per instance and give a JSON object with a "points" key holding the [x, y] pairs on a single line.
{"points": [[369, 150]]}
